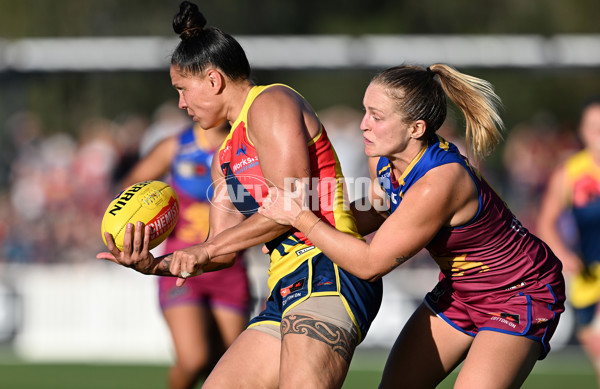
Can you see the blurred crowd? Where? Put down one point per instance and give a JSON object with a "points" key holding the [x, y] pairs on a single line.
{"points": [[58, 185]]}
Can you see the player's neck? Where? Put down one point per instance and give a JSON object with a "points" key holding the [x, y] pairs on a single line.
{"points": [[209, 139]]}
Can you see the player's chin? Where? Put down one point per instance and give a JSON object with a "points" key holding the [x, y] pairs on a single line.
{"points": [[370, 152]]}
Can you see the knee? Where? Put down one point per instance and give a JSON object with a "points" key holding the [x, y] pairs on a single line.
{"points": [[192, 366]]}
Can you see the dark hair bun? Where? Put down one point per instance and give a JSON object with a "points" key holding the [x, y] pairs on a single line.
{"points": [[189, 20]]}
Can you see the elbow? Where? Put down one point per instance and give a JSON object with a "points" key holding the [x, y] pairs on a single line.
{"points": [[369, 270], [370, 275], [374, 278]]}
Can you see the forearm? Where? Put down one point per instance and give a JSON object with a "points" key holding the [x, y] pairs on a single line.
{"points": [[221, 250], [161, 266], [253, 231], [345, 250]]}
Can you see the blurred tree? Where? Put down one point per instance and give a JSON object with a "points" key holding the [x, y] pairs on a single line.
{"points": [[40, 18], [65, 99]]}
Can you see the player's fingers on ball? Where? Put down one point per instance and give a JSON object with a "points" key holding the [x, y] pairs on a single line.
{"points": [[180, 281], [138, 237], [147, 234], [127, 238], [110, 244]]}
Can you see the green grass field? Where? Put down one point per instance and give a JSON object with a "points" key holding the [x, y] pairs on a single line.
{"points": [[564, 369]]}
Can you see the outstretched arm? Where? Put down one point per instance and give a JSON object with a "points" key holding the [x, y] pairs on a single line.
{"points": [[553, 204], [279, 125], [279, 120], [441, 197], [155, 164]]}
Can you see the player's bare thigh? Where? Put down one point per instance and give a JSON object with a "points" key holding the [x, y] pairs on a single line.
{"points": [[319, 338], [230, 323], [425, 352], [189, 330], [251, 362], [498, 360]]}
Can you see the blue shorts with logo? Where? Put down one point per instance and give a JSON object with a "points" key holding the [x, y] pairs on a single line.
{"points": [[318, 276]]}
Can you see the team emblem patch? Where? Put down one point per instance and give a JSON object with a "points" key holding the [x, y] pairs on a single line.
{"points": [[292, 288]]}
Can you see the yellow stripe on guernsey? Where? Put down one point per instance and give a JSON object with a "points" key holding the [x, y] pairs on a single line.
{"points": [[458, 265], [255, 91], [297, 252], [412, 164], [581, 163], [292, 252]]}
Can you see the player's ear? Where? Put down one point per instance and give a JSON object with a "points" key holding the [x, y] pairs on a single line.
{"points": [[418, 128], [216, 80]]}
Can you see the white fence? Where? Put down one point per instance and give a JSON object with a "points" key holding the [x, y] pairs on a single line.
{"points": [[310, 51], [100, 312]]}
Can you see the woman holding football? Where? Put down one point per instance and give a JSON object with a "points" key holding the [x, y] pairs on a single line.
{"points": [[209, 312], [316, 313]]}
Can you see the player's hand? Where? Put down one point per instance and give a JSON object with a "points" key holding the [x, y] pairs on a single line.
{"points": [[283, 206], [136, 253], [188, 262]]}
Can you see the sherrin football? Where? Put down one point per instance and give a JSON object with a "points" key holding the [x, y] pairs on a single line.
{"points": [[154, 203]]}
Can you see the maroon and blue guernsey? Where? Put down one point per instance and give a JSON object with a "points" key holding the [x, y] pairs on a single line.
{"points": [[493, 251], [495, 275]]}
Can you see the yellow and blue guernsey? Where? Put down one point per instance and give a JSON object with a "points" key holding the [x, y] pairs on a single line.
{"points": [[583, 182], [298, 269]]}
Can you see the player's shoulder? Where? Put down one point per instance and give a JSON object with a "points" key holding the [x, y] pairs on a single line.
{"points": [[279, 95]]}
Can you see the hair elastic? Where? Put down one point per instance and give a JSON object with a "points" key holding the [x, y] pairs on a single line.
{"points": [[190, 29]]}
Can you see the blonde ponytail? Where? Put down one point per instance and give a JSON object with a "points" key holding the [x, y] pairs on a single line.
{"points": [[479, 104]]}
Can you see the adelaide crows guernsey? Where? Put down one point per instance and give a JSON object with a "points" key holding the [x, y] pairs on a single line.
{"points": [[491, 252], [247, 187], [583, 180]]}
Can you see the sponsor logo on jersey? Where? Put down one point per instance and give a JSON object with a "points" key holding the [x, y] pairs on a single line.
{"points": [[323, 281], [302, 251], [241, 150], [292, 288], [245, 164], [509, 319]]}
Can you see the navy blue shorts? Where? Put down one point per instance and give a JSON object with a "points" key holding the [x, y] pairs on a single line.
{"points": [[318, 276]]}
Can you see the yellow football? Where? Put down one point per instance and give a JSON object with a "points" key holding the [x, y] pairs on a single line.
{"points": [[154, 203]]}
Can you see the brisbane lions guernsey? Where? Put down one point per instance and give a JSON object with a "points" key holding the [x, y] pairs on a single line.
{"points": [[247, 187], [491, 252], [190, 177]]}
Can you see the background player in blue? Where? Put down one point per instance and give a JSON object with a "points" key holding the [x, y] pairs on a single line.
{"points": [[208, 313], [575, 187]]}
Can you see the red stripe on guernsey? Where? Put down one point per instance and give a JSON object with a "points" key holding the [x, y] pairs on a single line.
{"points": [[323, 166], [239, 155]]}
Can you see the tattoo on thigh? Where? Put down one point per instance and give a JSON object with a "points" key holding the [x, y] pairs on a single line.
{"points": [[340, 340]]}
